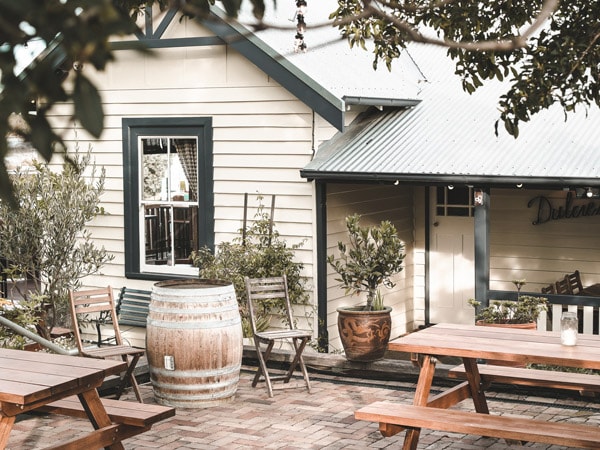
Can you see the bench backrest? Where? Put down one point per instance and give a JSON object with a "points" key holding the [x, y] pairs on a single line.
{"points": [[132, 307]]}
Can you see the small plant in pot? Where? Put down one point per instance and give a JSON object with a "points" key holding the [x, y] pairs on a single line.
{"points": [[372, 255], [522, 313]]}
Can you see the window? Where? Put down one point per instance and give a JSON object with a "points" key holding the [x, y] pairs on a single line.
{"points": [[454, 202], [168, 194]]}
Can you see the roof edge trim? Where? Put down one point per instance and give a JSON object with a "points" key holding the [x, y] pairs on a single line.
{"points": [[311, 93], [380, 101], [439, 179]]}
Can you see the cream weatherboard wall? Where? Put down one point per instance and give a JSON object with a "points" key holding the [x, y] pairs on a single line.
{"points": [[545, 252], [262, 137], [376, 203]]}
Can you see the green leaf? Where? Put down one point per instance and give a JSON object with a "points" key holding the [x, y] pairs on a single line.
{"points": [[233, 6], [42, 137], [88, 106], [6, 189]]}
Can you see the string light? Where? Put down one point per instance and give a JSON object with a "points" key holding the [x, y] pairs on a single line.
{"points": [[299, 44]]}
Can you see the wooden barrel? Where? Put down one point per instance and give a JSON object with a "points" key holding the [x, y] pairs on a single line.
{"points": [[194, 342]]}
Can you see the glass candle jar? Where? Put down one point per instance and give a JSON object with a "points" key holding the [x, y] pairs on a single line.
{"points": [[568, 328]]}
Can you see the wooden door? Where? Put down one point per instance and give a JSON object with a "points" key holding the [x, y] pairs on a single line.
{"points": [[452, 271]]}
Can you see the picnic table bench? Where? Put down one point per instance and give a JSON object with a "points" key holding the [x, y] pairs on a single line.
{"points": [[68, 385], [394, 417], [132, 414], [585, 384], [472, 343]]}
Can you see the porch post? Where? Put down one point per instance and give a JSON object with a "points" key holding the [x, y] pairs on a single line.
{"points": [[482, 244], [321, 244]]}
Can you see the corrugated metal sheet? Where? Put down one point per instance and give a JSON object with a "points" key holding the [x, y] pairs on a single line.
{"points": [[449, 136], [329, 61]]}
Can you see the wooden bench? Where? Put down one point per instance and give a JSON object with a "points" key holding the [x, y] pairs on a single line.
{"points": [[395, 417], [132, 307], [139, 415], [586, 384]]}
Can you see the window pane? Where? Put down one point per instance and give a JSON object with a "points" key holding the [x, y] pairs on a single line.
{"points": [[456, 202], [157, 234], [458, 212], [458, 196], [187, 152], [169, 168], [155, 164]]}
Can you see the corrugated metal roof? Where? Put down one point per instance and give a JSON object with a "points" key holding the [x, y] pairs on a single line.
{"points": [[449, 136], [343, 71]]}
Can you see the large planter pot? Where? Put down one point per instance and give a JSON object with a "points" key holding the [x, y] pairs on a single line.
{"points": [[519, 326], [364, 334], [194, 342]]}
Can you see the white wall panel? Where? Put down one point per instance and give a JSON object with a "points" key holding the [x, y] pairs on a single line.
{"points": [[375, 203]]}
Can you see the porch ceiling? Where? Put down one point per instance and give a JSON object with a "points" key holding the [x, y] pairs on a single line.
{"points": [[449, 138]]}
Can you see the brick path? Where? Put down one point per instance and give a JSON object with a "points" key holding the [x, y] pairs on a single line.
{"points": [[294, 419]]}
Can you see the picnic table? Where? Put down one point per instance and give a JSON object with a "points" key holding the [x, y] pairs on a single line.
{"points": [[36, 380], [474, 343]]}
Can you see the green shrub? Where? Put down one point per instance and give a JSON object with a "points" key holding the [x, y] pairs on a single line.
{"points": [[46, 241], [257, 252]]}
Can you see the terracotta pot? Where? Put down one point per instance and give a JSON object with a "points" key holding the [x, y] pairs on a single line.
{"points": [[520, 326], [364, 334]]}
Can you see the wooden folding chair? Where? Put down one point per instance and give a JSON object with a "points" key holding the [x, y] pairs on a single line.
{"points": [[261, 290], [574, 282], [562, 286], [101, 301], [550, 289]]}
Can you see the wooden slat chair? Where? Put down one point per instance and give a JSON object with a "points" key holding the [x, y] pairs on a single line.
{"points": [[261, 290], [574, 282], [98, 301], [562, 286], [550, 289]]}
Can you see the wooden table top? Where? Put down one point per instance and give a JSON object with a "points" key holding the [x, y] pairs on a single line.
{"points": [[522, 346], [28, 377]]}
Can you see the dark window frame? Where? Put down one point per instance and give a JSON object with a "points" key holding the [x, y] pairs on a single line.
{"points": [[132, 129]]}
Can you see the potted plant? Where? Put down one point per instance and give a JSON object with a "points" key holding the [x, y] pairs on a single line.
{"points": [[523, 313], [371, 257]]}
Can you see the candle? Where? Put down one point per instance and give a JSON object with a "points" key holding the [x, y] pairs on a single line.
{"points": [[568, 328], [568, 337]]}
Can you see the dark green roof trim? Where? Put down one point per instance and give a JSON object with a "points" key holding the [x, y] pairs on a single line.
{"points": [[162, 26], [311, 93], [442, 179], [381, 102], [167, 43], [324, 103]]}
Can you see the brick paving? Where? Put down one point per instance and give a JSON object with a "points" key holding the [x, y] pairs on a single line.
{"points": [[295, 419]]}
